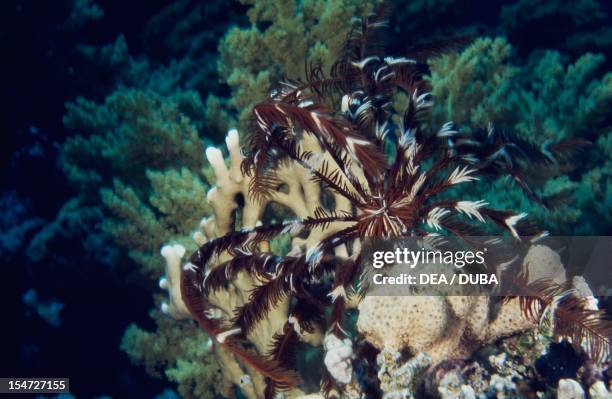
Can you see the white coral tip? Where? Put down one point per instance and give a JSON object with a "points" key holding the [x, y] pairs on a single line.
{"points": [[214, 156], [167, 251], [179, 250], [165, 308], [163, 283], [231, 140]]}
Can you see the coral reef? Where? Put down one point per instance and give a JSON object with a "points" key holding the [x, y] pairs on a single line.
{"points": [[137, 161], [225, 199], [142, 208], [141, 175], [257, 305], [415, 333], [228, 196]]}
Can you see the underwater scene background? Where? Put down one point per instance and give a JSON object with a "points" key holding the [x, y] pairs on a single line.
{"points": [[109, 108]]}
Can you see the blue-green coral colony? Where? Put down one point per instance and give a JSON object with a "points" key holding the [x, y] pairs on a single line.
{"points": [[547, 95], [136, 152]]}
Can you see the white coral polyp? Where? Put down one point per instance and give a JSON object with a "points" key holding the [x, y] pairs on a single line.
{"points": [[173, 253], [175, 307], [338, 355]]}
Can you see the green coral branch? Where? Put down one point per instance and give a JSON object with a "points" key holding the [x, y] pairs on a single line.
{"points": [[180, 352], [544, 99]]}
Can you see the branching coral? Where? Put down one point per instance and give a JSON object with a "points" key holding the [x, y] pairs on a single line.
{"points": [[140, 155], [167, 215], [233, 207], [131, 132], [143, 155], [548, 100], [255, 303], [179, 352], [254, 58], [469, 86]]}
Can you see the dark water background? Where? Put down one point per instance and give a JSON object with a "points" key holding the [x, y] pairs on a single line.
{"points": [[41, 70]]}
